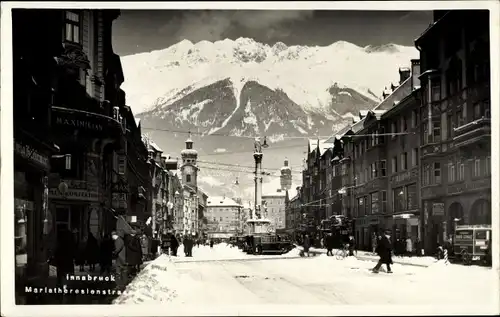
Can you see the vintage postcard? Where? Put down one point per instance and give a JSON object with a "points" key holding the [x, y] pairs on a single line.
{"points": [[247, 158]]}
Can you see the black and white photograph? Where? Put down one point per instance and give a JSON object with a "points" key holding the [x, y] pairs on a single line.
{"points": [[323, 154]]}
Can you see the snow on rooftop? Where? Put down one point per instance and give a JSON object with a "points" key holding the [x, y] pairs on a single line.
{"points": [[155, 146]]}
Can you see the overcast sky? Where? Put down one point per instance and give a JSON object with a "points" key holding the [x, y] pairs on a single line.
{"points": [[137, 31]]}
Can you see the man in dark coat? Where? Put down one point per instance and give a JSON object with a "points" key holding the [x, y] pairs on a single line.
{"points": [[174, 243], [120, 260], [106, 254], [384, 251], [329, 244], [307, 244], [133, 253]]}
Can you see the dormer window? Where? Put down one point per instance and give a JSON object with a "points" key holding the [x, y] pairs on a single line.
{"points": [[72, 27]]}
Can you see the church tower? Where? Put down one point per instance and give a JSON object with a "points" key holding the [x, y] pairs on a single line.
{"points": [[189, 169], [286, 177]]}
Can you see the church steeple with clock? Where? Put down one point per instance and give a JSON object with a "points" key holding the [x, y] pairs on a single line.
{"points": [[189, 169]]}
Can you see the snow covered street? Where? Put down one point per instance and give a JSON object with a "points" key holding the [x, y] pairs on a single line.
{"points": [[225, 275]]}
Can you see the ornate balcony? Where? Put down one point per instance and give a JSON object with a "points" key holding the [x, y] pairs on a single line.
{"points": [[477, 131]]}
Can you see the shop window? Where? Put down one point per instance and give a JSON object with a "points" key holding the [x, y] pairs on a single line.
{"points": [[398, 199]]}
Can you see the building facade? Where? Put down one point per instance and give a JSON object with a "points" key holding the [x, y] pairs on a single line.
{"points": [[223, 217], [274, 208], [35, 73], [456, 123]]}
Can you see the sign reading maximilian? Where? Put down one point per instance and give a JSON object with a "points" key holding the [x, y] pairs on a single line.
{"points": [[79, 123]]}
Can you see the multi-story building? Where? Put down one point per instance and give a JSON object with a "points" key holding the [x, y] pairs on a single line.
{"points": [[35, 74], [367, 150], [176, 208], [313, 183], [223, 217], [293, 212], [88, 188], [455, 122], [274, 207]]}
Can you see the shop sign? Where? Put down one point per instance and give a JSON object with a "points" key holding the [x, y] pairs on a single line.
{"points": [[74, 194], [84, 124], [29, 153], [438, 209]]}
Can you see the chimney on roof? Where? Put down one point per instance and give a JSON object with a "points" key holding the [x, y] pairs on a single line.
{"points": [[385, 93], [404, 74], [393, 87], [415, 72]]}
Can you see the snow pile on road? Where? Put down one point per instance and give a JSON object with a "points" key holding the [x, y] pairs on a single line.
{"points": [[154, 284]]}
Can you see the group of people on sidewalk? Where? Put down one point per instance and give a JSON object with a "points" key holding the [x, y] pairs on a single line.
{"points": [[170, 243]]}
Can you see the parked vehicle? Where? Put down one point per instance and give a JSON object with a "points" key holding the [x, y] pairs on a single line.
{"points": [[267, 243], [472, 243]]}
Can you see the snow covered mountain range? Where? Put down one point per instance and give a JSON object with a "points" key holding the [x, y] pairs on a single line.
{"points": [[246, 88]]}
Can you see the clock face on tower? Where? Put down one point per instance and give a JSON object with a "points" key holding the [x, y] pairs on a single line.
{"points": [[188, 169]]}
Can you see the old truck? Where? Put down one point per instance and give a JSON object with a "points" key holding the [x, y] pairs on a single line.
{"points": [[472, 243]]}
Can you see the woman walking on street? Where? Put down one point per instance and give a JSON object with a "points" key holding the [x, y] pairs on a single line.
{"points": [[306, 245]]}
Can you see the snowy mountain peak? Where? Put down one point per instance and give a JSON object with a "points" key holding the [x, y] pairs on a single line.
{"points": [[305, 74]]}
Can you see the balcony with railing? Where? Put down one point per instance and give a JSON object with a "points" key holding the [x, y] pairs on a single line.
{"points": [[477, 131]]}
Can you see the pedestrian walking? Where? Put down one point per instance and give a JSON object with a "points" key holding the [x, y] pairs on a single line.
{"points": [[91, 252], [133, 253], [106, 254], [211, 243], [306, 245], [374, 243], [120, 260], [352, 245], [64, 255], [329, 241], [144, 247], [409, 246], [384, 251], [174, 243]]}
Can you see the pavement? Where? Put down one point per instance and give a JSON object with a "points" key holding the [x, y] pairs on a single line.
{"points": [[318, 280]]}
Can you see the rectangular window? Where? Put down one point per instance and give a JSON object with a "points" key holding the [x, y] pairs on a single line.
{"points": [[477, 167], [383, 168], [436, 90], [461, 171], [188, 178], [414, 157], [381, 136], [374, 203], [373, 139], [411, 197], [366, 175], [72, 27], [404, 161], [394, 129], [427, 175], [384, 201], [436, 131], [477, 111], [437, 173], [414, 119], [450, 125], [404, 125], [398, 201], [394, 165], [374, 170], [360, 207], [487, 166], [451, 173]]}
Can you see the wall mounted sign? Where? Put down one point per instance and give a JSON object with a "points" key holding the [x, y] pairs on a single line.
{"points": [[78, 123], [74, 194], [31, 154]]}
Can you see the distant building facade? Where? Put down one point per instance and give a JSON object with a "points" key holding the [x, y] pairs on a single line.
{"points": [[274, 206], [223, 216]]}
